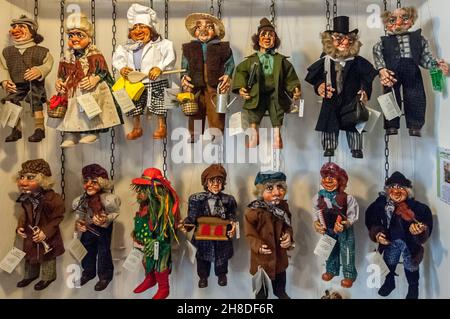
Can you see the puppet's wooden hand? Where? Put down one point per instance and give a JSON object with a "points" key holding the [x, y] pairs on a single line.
{"points": [[297, 93], [21, 232], [443, 66], [60, 86], [364, 97], [264, 250], [89, 82], [417, 228], [381, 238], [232, 231], [243, 92], [285, 241], [387, 77], [125, 71], [318, 227], [186, 83], [32, 74], [39, 236], [225, 83], [154, 73], [321, 91], [9, 86], [80, 226]]}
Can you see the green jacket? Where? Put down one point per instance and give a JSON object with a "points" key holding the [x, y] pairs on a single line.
{"points": [[284, 76]]}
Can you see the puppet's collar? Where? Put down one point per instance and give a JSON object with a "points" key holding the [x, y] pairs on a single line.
{"points": [[24, 44], [340, 60]]}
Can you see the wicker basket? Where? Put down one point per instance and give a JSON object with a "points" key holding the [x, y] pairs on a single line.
{"points": [[189, 108], [58, 112]]}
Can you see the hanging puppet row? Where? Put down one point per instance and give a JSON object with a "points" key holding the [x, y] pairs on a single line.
{"points": [[266, 80]]}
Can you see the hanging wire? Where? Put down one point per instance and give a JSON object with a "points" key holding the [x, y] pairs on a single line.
{"points": [[219, 9], [62, 5], [36, 9], [272, 12], [328, 14], [335, 8], [166, 35], [93, 19], [211, 8], [112, 146]]}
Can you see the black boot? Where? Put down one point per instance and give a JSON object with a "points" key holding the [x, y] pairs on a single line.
{"points": [[413, 282], [15, 135], [389, 283]]}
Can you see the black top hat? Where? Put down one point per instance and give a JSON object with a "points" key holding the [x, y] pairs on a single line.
{"points": [[398, 178], [341, 24]]}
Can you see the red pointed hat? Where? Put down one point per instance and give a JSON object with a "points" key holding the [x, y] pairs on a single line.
{"points": [[151, 174]]}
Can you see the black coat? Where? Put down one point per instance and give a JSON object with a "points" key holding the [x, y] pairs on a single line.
{"points": [[357, 74], [376, 221]]}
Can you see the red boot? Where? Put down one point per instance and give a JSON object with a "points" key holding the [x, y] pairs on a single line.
{"points": [[163, 284], [149, 282]]}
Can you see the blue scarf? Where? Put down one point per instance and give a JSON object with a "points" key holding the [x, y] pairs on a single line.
{"points": [[330, 195]]}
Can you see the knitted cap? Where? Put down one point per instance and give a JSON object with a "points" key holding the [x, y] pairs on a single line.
{"points": [[215, 170], [36, 166], [94, 171]]}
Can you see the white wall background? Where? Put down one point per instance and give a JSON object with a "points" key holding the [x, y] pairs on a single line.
{"points": [[299, 23]]}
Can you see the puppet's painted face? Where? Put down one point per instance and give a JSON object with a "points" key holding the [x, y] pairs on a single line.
{"points": [[141, 33], [274, 193], [91, 186], [343, 42], [266, 39], [204, 30], [399, 21], [141, 197], [20, 32], [78, 39], [397, 193], [330, 183], [215, 184], [28, 183]]}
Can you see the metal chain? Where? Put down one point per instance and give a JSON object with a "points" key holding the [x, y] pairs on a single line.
{"points": [[166, 35], [112, 146], [328, 14], [386, 137], [93, 19], [219, 9], [211, 8], [272, 12], [36, 9], [399, 4], [62, 6], [334, 8]]}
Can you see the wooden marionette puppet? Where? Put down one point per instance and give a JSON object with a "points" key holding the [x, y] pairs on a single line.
{"points": [[155, 226], [209, 65], [400, 225], [335, 213], [397, 57], [212, 202], [43, 211], [351, 77], [268, 228], [266, 80], [83, 70], [97, 208], [23, 69], [149, 53]]}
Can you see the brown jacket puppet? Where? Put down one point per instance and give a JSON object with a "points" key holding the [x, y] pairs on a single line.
{"points": [[23, 68], [209, 63], [43, 211], [269, 231]]}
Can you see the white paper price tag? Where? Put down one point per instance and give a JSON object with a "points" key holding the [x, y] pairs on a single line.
{"points": [[389, 106], [12, 259], [77, 250], [134, 260], [123, 99], [325, 246]]}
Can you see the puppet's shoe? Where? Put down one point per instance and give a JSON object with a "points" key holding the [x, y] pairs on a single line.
{"points": [[160, 133], [25, 282], [328, 153], [85, 279], [14, 136], [413, 292], [391, 131], [41, 285], [347, 283], [222, 280], [415, 132], [357, 154], [88, 139], [68, 143], [149, 282], [388, 285], [163, 285], [38, 135], [203, 283], [277, 143], [101, 285], [327, 276], [282, 295], [135, 134]]}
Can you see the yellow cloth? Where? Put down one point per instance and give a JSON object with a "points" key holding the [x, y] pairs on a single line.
{"points": [[134, 90]]}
